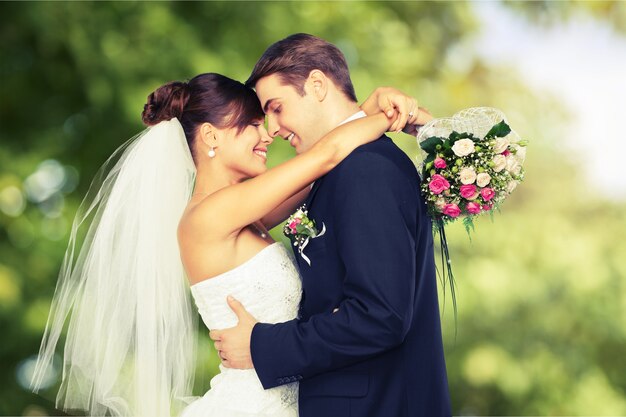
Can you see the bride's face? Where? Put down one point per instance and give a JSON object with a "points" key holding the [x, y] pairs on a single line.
{"points": [[245, 152]]}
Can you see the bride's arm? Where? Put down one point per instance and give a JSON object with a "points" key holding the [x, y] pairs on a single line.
{"points": [[387, 99], [280, 213], [382, 99], [239, 205]]}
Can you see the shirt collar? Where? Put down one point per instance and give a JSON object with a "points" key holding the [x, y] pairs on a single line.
{"points": [[355, 116]]}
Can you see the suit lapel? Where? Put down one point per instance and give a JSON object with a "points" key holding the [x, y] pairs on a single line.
{"points": [[313, 191], [307, 203]]}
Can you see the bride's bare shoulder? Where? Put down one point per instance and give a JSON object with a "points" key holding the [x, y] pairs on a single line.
{"points": [[201, 219], [205, 249]]}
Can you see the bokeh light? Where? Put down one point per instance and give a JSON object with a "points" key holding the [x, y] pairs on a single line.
{"points": [[541, 289]]}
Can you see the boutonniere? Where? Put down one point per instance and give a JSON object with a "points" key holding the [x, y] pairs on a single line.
{"points": [[300, 229]]}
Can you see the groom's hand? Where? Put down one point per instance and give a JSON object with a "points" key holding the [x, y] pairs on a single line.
{"points": [[233, 345]]}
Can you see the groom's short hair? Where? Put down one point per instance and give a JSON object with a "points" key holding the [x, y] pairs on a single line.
{"points": [[293, 59]]}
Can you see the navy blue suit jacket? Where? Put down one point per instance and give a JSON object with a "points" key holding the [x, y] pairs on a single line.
{"points": [[381, 353]]}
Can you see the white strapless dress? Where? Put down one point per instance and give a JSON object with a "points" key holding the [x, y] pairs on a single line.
{"points": [[269, 287]]}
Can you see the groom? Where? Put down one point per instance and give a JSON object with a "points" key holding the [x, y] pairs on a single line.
{"points": [[368, 340]]}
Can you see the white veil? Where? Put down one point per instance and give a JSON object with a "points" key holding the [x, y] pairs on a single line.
{"points": [[130, 345]]}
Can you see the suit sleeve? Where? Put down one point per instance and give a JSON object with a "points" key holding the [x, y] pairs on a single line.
{"points": [[375, 220]]}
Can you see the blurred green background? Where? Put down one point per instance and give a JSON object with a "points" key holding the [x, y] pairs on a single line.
{"points": [[541, 290]]}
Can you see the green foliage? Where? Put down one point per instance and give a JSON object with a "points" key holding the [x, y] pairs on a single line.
{"points": [[547, 12], [499, 130], [430, 144], [468, 223], [456, 136], [540, 291]]}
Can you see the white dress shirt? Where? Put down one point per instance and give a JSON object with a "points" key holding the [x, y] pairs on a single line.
{"points": [[355, 116]]}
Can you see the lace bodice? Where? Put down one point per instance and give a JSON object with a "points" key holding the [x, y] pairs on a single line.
{"points": [[269, 287]]}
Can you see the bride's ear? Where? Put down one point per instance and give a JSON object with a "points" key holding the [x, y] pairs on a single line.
{"points": [[208, 135], [317, 84]]}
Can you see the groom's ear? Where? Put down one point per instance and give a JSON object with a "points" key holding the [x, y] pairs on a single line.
{"points": [[317, 84]]}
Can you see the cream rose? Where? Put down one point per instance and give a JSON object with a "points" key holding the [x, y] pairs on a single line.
{"points": [[500, 163], [483, 179], [467, 175], [501, 145], [513, 165], [440, 204], [521, 153], [463, 147], [511, 186]]}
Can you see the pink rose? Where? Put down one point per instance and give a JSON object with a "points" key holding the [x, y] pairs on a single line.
{"points": [[438, 184], [292, 226], [487, 207], [451, 210], [506, 152], [487, 193], [298, 221], [468, 191], [440, 163], [473, 208]]}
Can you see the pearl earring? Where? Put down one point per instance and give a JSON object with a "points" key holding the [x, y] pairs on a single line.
{"points": [[211, 153]]}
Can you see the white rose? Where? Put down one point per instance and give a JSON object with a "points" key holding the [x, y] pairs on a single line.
{"points": [[511, 186], [513, 164], [467, 175], [500, 163], [463, 147], [483, 179], [501, 145]]}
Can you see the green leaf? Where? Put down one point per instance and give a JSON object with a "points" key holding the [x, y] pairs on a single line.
{"points": [[302, 228], [455, 136], [499, 131], [429, 144], [468, 222]]}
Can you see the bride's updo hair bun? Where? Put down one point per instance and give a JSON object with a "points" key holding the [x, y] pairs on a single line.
{"points": [[165, 103], [206, 98]]}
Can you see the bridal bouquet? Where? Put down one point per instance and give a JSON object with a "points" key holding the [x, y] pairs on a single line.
{"points": [[471, 163]]}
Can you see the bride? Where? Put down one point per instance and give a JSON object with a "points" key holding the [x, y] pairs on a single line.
{"points": [[191, 195]]}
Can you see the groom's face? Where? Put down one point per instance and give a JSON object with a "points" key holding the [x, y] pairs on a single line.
{"points": [[294, 117]]}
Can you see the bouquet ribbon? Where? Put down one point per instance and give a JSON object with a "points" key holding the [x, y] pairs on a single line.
{"points": [[306, 242]]}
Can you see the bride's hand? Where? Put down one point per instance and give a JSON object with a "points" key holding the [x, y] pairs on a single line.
{"points": [[390, 100], [422, 117]]}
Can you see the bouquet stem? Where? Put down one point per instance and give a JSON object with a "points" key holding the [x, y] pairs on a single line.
{"points": [[447, 268]]}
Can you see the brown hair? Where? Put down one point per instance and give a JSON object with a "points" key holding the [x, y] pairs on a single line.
{"points": [[206, 98], [293, 59]]}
